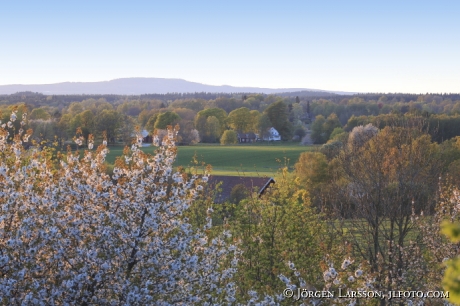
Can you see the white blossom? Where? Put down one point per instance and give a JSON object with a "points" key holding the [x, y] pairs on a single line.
{"points": [[121, 240], [346, 263]]}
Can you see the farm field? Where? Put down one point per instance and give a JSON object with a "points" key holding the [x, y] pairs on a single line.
{"points": [[249, 160]]}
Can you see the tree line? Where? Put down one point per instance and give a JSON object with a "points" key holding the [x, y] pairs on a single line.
{"points": [[200, 120], [52, 113]]}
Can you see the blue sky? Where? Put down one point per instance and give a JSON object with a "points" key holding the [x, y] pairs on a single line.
{"points": [[365, 46]]}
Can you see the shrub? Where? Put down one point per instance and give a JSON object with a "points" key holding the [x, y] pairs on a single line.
{"points": [[229, 137]]}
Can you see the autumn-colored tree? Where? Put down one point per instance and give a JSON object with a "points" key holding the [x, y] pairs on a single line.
{"points": [[377, 186]]}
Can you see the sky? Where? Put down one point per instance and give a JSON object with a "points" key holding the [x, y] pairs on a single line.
{"points": [[358, 46]]}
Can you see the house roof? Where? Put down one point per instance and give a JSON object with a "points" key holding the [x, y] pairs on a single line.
{"points": [[259, 184]]}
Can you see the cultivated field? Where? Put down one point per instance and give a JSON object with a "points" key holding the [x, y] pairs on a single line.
{"points": [[250, 160]]}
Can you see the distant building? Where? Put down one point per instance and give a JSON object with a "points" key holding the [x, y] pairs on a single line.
{"points": [[272, 135], [146, 137], [246, 137], [251, 184]]}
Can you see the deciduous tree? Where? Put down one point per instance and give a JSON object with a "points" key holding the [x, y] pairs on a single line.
{"points": [[229, 137], [240, 119], [39, 113], [377, 187], [200, 119], [108, 121], [165, 119], [71, 234], [317, 130], [277, 228], [278, 115]]}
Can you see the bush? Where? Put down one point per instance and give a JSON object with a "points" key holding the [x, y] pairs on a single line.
{"points": [[229, 137]]}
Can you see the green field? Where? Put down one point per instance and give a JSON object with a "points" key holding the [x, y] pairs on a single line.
{"points": [[252, 160]]}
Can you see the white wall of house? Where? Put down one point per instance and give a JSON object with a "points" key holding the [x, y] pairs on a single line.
{"points": [[272, 135]]}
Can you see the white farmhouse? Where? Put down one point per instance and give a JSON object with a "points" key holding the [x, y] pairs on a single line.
{"points": [[272, 135]]}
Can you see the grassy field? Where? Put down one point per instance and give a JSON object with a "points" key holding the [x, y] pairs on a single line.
{"points": [[252, 160]]}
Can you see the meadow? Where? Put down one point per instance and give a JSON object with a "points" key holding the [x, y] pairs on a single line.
{"points": [[261, 159]]}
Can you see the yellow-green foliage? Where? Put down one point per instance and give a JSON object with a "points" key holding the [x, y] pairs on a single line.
{"points": [[451, 281], [278, 228], [312, 168], [229, 137]]}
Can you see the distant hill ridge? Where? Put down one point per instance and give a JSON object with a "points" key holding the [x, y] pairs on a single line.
{"points": [[139, 86]]}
